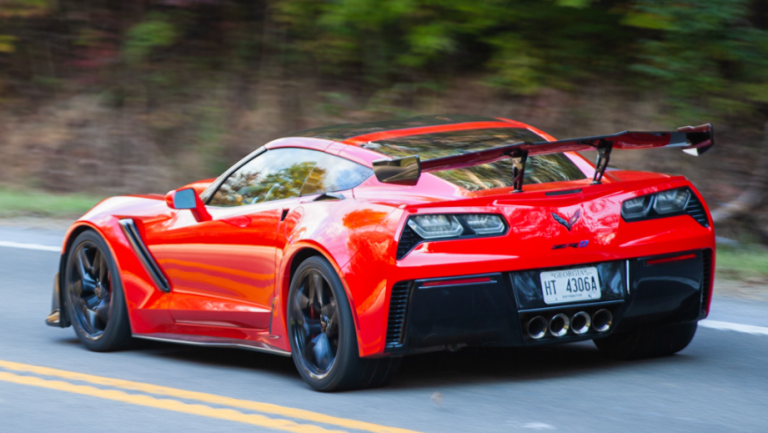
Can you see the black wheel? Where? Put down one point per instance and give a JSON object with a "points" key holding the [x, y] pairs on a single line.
{"points": [[94, 295], [322, 333], [647, 343]]}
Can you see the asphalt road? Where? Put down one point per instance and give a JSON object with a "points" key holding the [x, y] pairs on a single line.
{"points": [[718, 384]]}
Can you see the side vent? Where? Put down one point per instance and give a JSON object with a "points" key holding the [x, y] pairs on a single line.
{"points": [[696, 210], [398, 307], [408, 240], [706, 281], [142, 253]]}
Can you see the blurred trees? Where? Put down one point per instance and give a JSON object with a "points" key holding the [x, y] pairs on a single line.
{"points": [[144, 95], [708, 56]]}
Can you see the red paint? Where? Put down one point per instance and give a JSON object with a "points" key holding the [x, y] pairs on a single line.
{"points": [[670, 259], [230, 272]]}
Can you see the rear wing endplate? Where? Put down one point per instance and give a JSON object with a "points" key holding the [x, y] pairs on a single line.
{"points": [[693, 140]]}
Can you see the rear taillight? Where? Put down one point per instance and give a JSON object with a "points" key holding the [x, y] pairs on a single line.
{"points": [[438, 227]]}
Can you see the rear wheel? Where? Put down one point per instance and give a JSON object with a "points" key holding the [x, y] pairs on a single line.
{"points": [[94, 295], [647, 342], [322, 333]]}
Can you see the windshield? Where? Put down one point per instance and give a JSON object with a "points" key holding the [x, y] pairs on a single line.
{"points": [[538, 169]]}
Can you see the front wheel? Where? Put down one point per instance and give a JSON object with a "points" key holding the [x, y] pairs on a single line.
{"points": [[94, 295], [322, 333], [647, 343]]}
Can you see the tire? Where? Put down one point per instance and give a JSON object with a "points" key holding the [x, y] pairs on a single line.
{"points": [[647, 343], [95, 302], [322, 333]]}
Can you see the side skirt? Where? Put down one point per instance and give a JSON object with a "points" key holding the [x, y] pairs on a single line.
{"points": [[202, 341]]}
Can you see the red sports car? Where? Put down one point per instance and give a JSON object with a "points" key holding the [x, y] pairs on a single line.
{"points": [[349, 246]]}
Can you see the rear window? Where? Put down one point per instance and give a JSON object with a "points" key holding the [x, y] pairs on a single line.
{"points": [[538, 169]]}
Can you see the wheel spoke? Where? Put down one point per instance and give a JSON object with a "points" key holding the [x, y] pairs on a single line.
{"points": [[316, 283], [102, 269], [90, 317], [90, 300], [332, 317], [313, 326], [86, 268], [302, 300], [323, 352], [102, 312]]}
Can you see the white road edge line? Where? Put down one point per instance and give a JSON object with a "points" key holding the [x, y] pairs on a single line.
{"points": [[738, 327], [38, 247]]}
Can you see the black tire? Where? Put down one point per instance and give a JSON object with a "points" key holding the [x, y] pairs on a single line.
{"points": [[325, 349], [647, 342], [95, 302]]}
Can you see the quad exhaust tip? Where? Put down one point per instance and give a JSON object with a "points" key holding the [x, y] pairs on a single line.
{"points": [[559, 325], [537, 327], [580, 323], [602, 320]]}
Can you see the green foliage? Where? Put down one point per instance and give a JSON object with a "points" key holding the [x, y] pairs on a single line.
{"points": [[704, 51], [708, 58], [147, 35]]}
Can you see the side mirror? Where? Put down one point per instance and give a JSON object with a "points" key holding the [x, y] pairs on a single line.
{"points": [[188, 199]]}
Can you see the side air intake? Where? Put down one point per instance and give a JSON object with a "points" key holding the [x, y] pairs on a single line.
{"points": [[696, 210], [408, 240], [143, 254], [398, 307]]}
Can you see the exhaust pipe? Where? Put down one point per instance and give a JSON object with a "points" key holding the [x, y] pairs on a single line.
{"points": [[580, 323], [559, 325], [537, 327], [602, 320]]}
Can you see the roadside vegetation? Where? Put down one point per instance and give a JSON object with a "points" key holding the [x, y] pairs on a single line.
{"points": [[749, 263], [16, 203]]}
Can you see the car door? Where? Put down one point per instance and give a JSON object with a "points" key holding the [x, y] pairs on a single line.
{"points": [[222, 271]]}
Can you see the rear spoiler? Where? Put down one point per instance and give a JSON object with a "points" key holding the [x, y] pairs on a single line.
{"points": [[694, 140]]}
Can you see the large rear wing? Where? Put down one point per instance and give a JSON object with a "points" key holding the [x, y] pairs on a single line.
{"points": [[694, 140]]}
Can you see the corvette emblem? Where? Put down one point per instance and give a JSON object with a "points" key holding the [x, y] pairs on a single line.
{"points": [[571, 222]]}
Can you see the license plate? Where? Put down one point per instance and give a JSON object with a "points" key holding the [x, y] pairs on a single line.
{"points": [[570, 285]]}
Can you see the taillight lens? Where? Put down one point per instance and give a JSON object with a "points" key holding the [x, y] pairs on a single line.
{"points": [[664, 203], [485, 224], [453, 226], [672, 201], [436, 226], [636, 208]]}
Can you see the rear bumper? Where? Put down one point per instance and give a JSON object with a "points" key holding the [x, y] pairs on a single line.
{"points": [[495, 309]]}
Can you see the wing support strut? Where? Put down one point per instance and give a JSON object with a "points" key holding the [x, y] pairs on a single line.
{"points": [[518, 171], [603, 148]]}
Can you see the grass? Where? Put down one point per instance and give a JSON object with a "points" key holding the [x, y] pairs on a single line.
{"points": [[14, 202], [748, 262]]}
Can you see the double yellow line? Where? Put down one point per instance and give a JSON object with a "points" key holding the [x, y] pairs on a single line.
{"points": [[171, 400]]}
